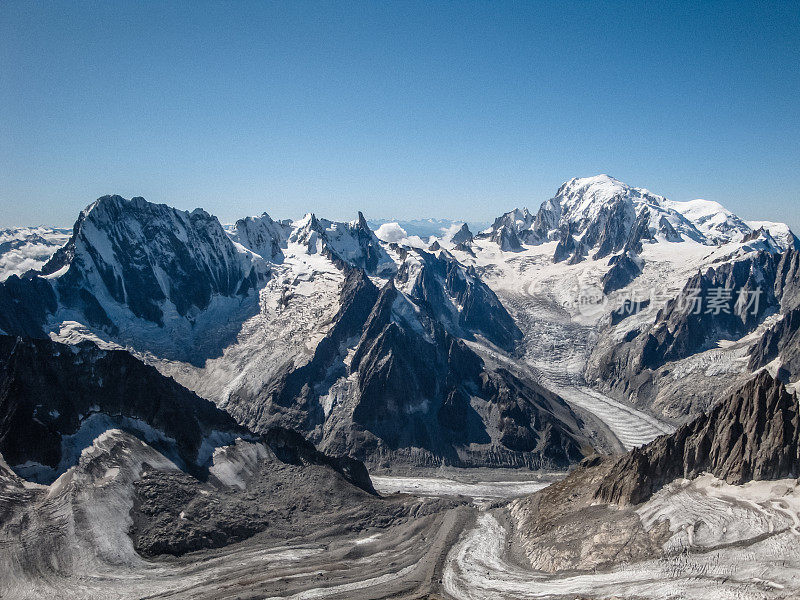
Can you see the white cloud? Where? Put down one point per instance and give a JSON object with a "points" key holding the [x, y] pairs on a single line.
{"points": [[391, 232]]}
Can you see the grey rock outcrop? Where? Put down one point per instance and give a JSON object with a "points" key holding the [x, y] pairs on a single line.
{"points": [[752, 435], [393, 381], [462, 236], [626, 267], [54, 398]]}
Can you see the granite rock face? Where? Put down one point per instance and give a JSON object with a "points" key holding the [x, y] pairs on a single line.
{"points": [[392, 380], [50, 391], [752, 435], [25, 305], [127, 260], [626, 267], [55, 399], [713, 306], [461, 301], [782, 342], [462, 236], [510, 230], [148, 258], [346, 244]]}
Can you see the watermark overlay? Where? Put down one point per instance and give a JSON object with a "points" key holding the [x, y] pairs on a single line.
{"points": [[591, 301]]}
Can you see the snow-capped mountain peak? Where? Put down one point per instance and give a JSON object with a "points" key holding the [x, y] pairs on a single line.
{"points": [[261, 235], [150, 259], [780, 232], [714, 221], [351, 243], [600, 215], [586, 195]]}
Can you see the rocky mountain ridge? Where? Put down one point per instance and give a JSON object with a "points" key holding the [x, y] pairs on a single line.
{"points": [[752, 435]]}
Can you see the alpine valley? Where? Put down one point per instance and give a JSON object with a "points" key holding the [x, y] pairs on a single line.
{"points": [[597, 399]]}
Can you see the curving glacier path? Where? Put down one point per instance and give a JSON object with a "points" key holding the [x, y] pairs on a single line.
{"points": [[557, 349], [728, 542]]}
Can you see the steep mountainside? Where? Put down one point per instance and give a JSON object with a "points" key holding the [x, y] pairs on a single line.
{"points": [[262, 235], [740, 461], [268, 319], [752, 435], [155, 470], [56, 399], [390, 383], [149, 258], [351, 243], [144, 275], [722, 305]]}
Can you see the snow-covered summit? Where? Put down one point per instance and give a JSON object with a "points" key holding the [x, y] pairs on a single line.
{"points": [[146, 256], [261, 235], [590, 204], [780, 232], [718, 224], [600, 215], [352, 243]]}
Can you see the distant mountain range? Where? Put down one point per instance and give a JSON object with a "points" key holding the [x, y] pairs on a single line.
{"points": [[192, 385], [302, 323]]}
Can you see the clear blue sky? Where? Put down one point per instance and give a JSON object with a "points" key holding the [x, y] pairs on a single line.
{"points": [[399, 109]]}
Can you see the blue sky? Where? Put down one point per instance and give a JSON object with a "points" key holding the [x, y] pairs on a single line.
{"points": [[401, 109]]}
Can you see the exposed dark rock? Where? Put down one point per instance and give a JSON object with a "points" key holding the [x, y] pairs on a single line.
{"points": [[611, 229], [462, 236], [345, 244], [296, 388], [628, 309], [702, 315], [25, 304], [564, 528], [174, 513], [627, 267], [579, 255], [50, 390], [639, 233], [415, 391], [787, 280], [453, 292], [781, 340], [145, 254], [410, 390], [512, 229], [566, 246], [668, 231], [465, 247], [507, 239], [752, 435]]}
